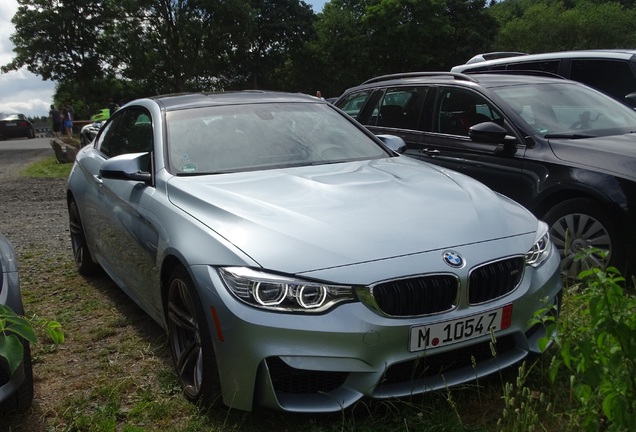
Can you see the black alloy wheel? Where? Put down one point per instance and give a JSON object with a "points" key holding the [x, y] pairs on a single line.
{"points": [[83, 259], [190, 339], [580, 224]]}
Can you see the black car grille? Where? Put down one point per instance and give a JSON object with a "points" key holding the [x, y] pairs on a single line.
{"points": [[417, 296], [434, 365], [495, 279], [432, 294], [287, 379]]}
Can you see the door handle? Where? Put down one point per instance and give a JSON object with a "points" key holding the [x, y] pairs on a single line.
{"points": [[430, 152]]}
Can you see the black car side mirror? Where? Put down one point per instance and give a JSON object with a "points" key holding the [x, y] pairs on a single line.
{"points": [[489, 132]]}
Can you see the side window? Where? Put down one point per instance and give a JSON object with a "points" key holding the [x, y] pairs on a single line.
{"points": [[551, 66], [353, 103], [459, 109], [400, 108], [613, 77], [130, 131]]}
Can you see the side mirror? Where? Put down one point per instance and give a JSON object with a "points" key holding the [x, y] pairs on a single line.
{"points": [[488, 132], [132, 166], [393, 142]]}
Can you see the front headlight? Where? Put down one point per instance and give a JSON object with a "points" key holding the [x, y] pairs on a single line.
{"points": [[542, 247], [280, 293]]}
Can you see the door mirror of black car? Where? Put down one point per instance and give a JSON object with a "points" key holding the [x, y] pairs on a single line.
{"points": [[393, 142], [130, 166], [488, 132], [631, 99]]}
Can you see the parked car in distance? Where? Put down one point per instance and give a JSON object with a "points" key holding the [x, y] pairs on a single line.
{"points": [[101, 115], [16, 389], [299, 263], [558, 147], [89, 131], [14, 125], [610, 71]]}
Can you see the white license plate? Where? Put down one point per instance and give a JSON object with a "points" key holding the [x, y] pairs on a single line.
{"points": [[11, 124], [449, 332]]}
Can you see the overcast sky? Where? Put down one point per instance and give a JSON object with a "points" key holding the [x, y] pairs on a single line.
{"points": [[23, 92]]}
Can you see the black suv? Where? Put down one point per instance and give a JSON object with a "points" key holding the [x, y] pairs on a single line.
{"points": [[561, 149], [610, 71]]}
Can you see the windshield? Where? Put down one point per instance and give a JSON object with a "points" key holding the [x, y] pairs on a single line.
{"points": [[568, 110], [263, 136]]}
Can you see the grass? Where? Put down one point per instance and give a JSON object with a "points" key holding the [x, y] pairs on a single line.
{"points": [[114, 373], [48, 168]]}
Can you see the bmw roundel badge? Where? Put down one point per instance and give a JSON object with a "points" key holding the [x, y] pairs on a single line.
{"points": [[453, 259]]}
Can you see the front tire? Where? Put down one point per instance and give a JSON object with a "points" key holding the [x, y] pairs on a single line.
{"points": [[190, 339], [579, 224], [83, 259]]}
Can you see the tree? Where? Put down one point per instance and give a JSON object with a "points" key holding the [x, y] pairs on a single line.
{"points": [[278, 30], [554, 27], [359, 39], [59, 40]]}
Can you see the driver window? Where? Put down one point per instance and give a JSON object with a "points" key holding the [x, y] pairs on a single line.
{"points": [[130, 131], [459, 109]]}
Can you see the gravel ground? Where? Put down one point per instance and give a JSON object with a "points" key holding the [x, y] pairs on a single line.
{"points": [[32, 211]]}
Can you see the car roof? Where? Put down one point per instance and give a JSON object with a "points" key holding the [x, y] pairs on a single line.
{"points": [[487, 80], [618, 54], [178, 101]]}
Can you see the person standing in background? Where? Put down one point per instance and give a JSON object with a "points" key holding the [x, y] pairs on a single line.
{"points": [[67, 122], [71, 114], [112, 106], [56, 121]]}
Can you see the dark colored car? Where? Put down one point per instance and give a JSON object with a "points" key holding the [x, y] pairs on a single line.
{"points": [[89, 131], [16, 389], [610, 71], [15, 126], [563, 150]]}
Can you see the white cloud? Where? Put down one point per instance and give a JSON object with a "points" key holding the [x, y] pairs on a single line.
{"points": [[20, 91]]}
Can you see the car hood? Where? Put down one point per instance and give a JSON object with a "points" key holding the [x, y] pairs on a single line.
{"points": [[613, 154], [309, 218]]}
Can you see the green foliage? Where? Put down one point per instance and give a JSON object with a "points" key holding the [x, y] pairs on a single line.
{"points": [[49, 167], [598, 349], [14, 329], [557, 26], [522, 405]]}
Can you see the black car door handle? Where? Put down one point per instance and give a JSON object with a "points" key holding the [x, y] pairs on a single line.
{"points": [[431, 152]]}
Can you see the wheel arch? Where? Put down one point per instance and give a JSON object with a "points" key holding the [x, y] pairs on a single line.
{"points": [[547, 200], [170, 262]]}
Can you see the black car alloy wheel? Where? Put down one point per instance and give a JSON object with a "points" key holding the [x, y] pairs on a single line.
{"points": [[189, 337], [578, 225], [83, 260]]}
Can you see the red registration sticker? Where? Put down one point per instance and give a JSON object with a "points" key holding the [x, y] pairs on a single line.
{"points": [[450, 332]]}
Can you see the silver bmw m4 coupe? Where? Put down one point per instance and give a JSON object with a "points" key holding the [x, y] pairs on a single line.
{"points": [[297, 261]]}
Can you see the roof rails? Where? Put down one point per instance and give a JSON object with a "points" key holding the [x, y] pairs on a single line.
{"points": [[457, 76], [494, 55], [538, 73]]}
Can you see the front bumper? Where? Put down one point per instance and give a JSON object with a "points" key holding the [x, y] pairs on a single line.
{"points": [[324, 363]]}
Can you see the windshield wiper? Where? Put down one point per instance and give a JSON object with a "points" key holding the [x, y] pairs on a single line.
{"points": [[568, 135]]}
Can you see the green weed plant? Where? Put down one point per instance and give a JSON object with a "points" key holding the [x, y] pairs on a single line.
{"points": [[597, 348], [14, 329]]}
